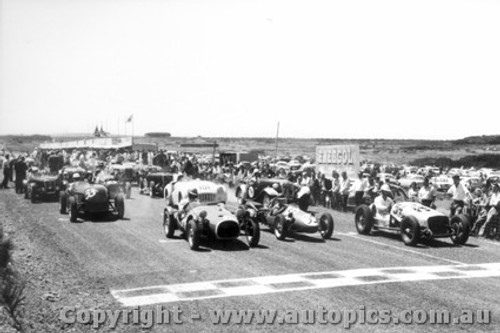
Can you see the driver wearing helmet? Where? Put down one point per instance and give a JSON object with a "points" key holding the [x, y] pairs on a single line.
{"points": [[189, 203], [77, 178]]}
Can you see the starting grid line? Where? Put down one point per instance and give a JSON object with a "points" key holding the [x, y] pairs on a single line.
{"points": [[295, 282]]}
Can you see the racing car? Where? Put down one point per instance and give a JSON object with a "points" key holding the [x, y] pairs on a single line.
{"points": [[415, 222], [40, 186], [209, 220], [82, 198], [283, 219]]}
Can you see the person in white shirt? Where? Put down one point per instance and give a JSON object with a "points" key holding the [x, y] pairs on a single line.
{"points": [[459, 193], [494, 204], [427, 194], [345, 185], [382, 205], [359, 187]]}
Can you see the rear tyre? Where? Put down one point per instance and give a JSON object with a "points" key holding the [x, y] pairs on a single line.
{"points": [[460, 226], [326, 225], [410, 232], [120, 206], [363, 219], [168, 225], [73, 209], [62, 203], [252, 232], [279, 227], [193, 236]]}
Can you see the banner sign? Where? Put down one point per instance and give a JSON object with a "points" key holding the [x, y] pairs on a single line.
{"points": [[339, 158]]}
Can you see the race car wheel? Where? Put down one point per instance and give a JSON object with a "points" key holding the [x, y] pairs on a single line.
{"points": [[168, 225], [62, 203], [363, 219], [32, 195], [410, 232], [73, 209], [193, 235], [326, 225], [120, 206], [252, 232], [128, 190], [280, 227], [460, 227]]}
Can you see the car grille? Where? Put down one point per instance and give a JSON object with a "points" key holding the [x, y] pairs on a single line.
{"points": [[207, 197], [228, 229], [438, 224]]}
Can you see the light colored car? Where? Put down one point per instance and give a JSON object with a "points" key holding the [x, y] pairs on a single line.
{"points": [[442, 183], [210, 219], [415, 222], [408, 180]]}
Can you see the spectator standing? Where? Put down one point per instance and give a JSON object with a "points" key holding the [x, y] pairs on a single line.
{"points": [[6, 171]]}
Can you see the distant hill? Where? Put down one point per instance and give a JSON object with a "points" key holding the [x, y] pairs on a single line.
{"points": [[483, 140]]}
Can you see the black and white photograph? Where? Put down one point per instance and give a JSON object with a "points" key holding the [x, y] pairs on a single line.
{"points": [[249, 166]]}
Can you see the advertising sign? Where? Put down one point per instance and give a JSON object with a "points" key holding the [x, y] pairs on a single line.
{"points": [[339, 158]]}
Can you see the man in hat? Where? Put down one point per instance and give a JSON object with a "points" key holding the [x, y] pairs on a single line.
{"points": [[494, 204], [458, 193], [382, 205]]}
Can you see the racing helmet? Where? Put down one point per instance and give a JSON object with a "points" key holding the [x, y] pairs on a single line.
{"points": [[77, 176], [276, 187]]}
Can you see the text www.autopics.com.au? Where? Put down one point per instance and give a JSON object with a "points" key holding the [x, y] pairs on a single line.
{"points": [[346, 318]]}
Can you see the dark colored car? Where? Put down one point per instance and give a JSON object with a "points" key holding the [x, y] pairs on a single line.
{"points": [[157, 181], [262, 191], [82, 199], [39, 187]]}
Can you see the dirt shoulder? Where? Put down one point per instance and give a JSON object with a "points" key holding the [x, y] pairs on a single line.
{"points": [[54, 281]]}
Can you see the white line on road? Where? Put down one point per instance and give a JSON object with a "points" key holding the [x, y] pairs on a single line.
{"points": [[353, 235], [300, 281]]}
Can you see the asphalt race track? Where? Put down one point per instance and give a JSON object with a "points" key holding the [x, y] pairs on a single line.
{"points": [[140, 267]]}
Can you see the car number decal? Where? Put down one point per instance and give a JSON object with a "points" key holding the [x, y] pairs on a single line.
{"points": [[89, 193]]}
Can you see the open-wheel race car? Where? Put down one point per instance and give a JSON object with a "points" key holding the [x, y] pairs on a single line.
{"points": [[82, 199], [284, 219], [41, 186], [415, 222], [208, 218]]}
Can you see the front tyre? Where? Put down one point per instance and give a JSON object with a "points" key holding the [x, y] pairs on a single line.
{"points": [[168, 225], [326, 225], [193, 235], [460, 227], [252, 232], [363, 219], [73, 209], [279, 227], [410, 232]]}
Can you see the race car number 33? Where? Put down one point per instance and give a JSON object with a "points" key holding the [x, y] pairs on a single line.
{"points": [[89, 193]]}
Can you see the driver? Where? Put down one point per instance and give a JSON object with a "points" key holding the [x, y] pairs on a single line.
{"points": [[187, 204], [77, 178], [382, 205]]}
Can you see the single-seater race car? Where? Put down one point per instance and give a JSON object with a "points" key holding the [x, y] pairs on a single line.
{"points": [[415, 222], [283, 218], [82, 198], [209, 219]]}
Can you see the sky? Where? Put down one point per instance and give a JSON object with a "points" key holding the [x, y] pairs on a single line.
{"points": [[396, 69]]}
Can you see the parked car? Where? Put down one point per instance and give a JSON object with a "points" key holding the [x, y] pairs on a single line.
{"points": [[41, 186], [81, 199], [442, 182], [411, 178], [415, 222], [210, 220]]}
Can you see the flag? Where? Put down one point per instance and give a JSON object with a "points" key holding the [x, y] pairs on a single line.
{"points": [[129, 119]]}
